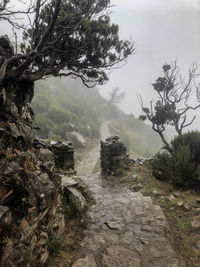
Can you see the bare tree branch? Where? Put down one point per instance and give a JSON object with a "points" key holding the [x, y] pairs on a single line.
{"points": [[175, 100]]}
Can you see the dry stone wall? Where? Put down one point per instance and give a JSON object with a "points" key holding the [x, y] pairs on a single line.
{"points": [[64, 155], [114, 156], [31, 174]]}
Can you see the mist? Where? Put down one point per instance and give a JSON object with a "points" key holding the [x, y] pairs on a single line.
{"points": [[163, 32]]}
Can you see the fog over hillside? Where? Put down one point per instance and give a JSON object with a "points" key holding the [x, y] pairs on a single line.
{"points": [[163, 31]]}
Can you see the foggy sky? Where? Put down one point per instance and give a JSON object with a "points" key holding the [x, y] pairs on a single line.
{"points": [[163, 31]]}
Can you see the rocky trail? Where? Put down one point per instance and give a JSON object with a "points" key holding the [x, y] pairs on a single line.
{"points": [[125, 228], [86, 166]]}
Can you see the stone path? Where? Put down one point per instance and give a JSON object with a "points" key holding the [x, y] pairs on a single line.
{"points": [[87, 165], [125, 229]]}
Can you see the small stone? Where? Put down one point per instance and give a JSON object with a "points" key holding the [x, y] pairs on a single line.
{"points": [[144, 241], [171, 198], [172, 208], [99, 239], [180, 203], [67, 182], [195, 224], [177, 194], [137, 187], [87, 261], [187, 206], [42, 195], [114, 225]]}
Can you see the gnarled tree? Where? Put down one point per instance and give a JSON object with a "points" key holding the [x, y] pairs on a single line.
{"points": [[63, 38], [176, 97], [67, 37]]}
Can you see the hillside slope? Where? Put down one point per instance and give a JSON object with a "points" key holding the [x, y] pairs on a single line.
{"points": [[60, 105]]}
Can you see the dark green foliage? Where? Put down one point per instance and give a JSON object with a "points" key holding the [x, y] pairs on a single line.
{"points": [[161, 166], [192, 139], [54, 244], [182, 167], [83, 41], [164, 114], [183, 171]]}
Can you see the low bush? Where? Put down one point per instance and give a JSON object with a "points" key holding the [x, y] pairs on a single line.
{"points": [[192, 140], [161, 166], [182, 167], [54, 244], [183, 170]]}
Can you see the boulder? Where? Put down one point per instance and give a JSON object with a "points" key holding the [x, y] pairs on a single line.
{"points": [[76, 198], [67, 182], [44, 154]]}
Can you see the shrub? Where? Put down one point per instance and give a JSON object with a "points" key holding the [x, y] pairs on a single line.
{"points": [[192, 139], [182, 168], [54, 244], [161, 166], [60, 115]]}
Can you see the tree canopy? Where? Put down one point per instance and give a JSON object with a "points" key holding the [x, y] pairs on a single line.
{"points": [[66, 37]]}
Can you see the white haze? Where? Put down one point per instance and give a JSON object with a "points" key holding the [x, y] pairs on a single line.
{"points": [[163, 31]]}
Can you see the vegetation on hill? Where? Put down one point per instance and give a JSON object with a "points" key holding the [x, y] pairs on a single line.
{"points": [[60, 103], [182, 167], [57, 109]]}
